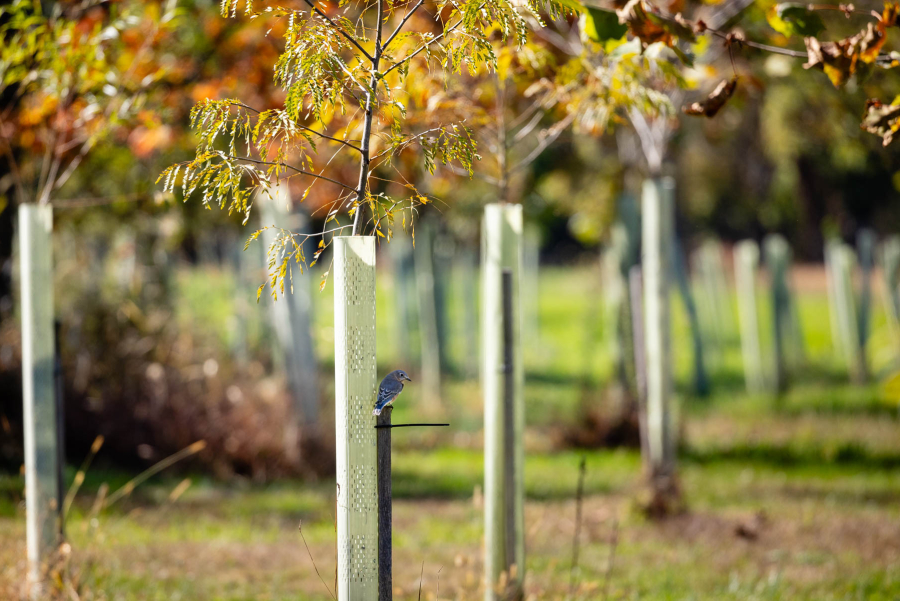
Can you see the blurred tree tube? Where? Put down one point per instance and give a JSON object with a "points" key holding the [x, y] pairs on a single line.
{"points": [[746, 263], [400, 251], [778, 258], [428, 319], [531, 287], [843, 261], [39, 404], [831, 285], [715, 308], [865, 246], [657, 217], [889, 258], [291, 314], [701, 380], [467, 268], [501, 246]]}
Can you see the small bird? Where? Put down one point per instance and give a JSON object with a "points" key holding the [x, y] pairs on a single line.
{"points": [[390, 387]]}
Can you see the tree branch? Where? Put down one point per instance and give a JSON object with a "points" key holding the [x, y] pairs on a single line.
{"points": [[406, 142], [291, 167], [542, 146], [365, 160], [493, 181], [13, 164], [346, 35], [527, 128], [304, 128], [402, 23], [427, 44], [764, 47]]}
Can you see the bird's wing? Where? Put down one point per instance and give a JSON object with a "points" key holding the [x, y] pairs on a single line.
{"points": [[386, 394]]}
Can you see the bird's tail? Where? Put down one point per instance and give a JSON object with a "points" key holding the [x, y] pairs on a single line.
{"points": [[376, 411]]}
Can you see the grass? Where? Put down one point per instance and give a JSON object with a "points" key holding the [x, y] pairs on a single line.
{"points": [[789, 498]]}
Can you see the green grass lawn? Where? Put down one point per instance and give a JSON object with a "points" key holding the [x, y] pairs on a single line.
{"points": [[789, 498]]}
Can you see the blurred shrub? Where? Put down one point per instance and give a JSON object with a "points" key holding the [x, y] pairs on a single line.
{"points": [[148, 380]]}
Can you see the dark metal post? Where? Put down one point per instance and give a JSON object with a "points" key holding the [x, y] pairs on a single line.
{"points": [[385, 512], [509, 486], [60, 433]]}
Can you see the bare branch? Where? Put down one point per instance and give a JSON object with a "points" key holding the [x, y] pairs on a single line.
{"points": [[528, 127], [556, 131]]}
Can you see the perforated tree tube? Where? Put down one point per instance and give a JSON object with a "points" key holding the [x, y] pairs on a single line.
{"points": [[355, 389]]}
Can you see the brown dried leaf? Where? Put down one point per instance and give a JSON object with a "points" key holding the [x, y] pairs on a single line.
{"points": [[882, 119], [634, 15], [714, 102], [841, 59]]}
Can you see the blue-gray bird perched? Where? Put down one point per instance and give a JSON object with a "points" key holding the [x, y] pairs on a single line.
{"points": [[390, 387]]}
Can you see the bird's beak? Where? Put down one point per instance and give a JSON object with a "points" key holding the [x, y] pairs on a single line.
{"points": [[407, 378]]}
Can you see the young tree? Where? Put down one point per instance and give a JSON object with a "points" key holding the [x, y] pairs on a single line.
{"points": [[349, 72], [657, 47]]}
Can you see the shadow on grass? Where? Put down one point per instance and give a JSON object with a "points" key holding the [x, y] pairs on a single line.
{"points": [[843, 497], [848, 454]]}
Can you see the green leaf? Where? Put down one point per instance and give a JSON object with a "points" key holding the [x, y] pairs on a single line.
{"points": [[573, 4], [603, 25], [791, 18]]}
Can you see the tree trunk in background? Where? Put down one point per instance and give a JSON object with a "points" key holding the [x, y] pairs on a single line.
{"points": [[746, 263], [355, 387], [777, 256], [39, 403], [291, 315], [428, 320], [701, 380], [658, 215], [501, 248]]}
